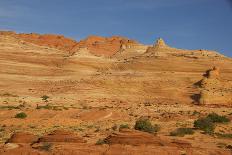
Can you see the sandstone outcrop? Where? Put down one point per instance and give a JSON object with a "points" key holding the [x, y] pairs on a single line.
{"points": [[22, 137], [96, 45], [136, 138], [161, 49], [102, 46], [58, 136], [213, 89]]}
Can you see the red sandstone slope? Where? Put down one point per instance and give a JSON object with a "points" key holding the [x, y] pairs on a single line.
{"points": [[50, 40], [104, 46], [96, 45]]}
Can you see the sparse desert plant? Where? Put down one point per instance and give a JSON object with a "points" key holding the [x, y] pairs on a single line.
{"points": [[124, 126], [45, 98], [9, 95], [182, 132], [205, 124], [46, 147], [217, 118], [224, 135], [146, 126], [147, 103], [195, 113], [9, 107], [21, 115], [101, 142], [47, 106], [1, 129]]}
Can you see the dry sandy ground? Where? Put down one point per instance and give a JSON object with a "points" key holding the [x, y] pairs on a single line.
{"points": [[89, 95]]}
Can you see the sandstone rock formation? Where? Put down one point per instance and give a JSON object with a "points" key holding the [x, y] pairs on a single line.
{"points": [[161, 49], [99, 46], [160, 44], [94, 96], [22, 137], [215, 90], [103, 46], [133, 137], [61, 136]]}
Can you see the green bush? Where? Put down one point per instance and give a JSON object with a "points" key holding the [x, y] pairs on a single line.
{"points": [[205, 124], [182, 132], [124, 126], [21, 115], [146, 126], [217, 118]]}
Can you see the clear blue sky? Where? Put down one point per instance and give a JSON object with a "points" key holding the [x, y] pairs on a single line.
{"points": [[190, 24]]}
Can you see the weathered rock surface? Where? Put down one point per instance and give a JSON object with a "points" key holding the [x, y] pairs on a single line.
{"points": [[61, 136], [215, 90], [22, 137]]}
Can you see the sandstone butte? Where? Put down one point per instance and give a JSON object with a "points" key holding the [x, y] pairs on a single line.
{"points": [[84, 97]]}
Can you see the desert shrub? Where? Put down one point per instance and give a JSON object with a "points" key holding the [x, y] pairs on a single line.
{"points": [[124, 126], [21, 115], [182, 132], [45, 97], [46, 147], [9, 95], [146, 126], [101, 142], [9, 107], [47, 106], [217, 118], [224, 135], [205, 124], [195, 113]]}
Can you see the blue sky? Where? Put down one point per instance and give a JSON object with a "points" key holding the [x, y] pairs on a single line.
{"points": [[189, 24]]}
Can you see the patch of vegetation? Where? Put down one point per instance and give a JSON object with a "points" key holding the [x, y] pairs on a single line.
{"points": [[182, 132], [224, 135], [217, 118], [221, 145], [9, 95], [2, 129], [9, 107], [101, 142], [124, 126], [195, 113], [146, 126], [51, 107], [21, 115], [147, 104], [46, 147], [76, 128], [45, 98], [205, 124], [47, 106]]}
